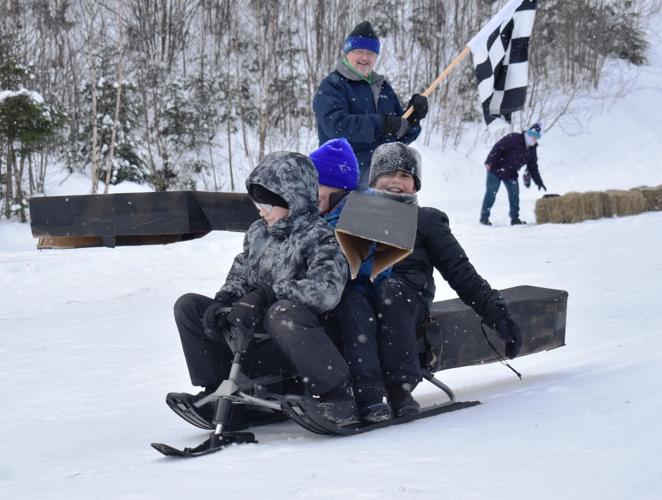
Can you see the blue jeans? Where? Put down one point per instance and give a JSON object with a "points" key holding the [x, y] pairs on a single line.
{"points": [[491, 187]]}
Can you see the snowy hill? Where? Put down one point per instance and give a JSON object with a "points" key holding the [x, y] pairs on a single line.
{"points": [[89, 349]]}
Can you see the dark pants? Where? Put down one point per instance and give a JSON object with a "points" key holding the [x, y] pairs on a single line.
{"points": [[492, 187], [297, 344], [377, 335]]}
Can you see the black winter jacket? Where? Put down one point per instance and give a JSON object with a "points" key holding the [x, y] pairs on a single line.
{"points": [[436, 247]]}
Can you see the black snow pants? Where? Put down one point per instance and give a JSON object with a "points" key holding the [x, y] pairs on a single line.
{"points": [[377, 335], [297, 344]]}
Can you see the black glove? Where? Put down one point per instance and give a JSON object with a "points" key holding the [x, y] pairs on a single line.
{"points": [[538, 180], [248, 311], [214, 320], [395, 125], [509, 331], [420, 104], [526, 178]]}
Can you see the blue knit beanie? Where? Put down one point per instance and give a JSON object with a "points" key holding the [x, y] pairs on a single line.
{"points": [[535, 130], [336, 164], [362, 37]]}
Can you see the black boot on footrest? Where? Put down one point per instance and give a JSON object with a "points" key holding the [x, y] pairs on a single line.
{"points": [[375, 413], [338, 406], [401, 400]]}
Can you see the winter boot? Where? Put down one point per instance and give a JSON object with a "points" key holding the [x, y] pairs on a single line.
{"points": [[401, 400], [517, 222], [485, 222], [338, 406], [376, 412]]}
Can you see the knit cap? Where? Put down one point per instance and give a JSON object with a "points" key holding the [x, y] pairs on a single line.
{"points": [[362, 37], [535, 130], [336, 164]]}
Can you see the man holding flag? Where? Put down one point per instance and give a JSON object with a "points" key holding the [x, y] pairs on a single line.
{"points": [[357, 103]]}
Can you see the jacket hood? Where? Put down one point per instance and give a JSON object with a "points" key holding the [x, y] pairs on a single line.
{"points": [[291, 176]]}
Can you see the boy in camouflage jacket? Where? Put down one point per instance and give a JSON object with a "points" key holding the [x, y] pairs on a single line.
{"points": [[290, 272]]}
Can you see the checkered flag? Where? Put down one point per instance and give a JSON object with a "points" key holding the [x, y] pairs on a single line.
{"points": [[501, 59]]}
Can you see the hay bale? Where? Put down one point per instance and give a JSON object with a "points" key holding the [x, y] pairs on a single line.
{"points": [[652, 197], [627, 202], [560, 210], [596, 205], [548, 210], [572, 208]]}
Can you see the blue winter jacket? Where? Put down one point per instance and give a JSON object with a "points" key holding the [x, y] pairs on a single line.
{"points": [[510, 154], [362, 281], [346, 105]]}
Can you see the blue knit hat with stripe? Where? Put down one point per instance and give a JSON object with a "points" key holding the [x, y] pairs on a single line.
{"points": [[362, 37], [535, 130], [336, 164]]}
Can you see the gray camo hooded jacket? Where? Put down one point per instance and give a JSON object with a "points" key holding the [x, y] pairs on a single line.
{"points": [[299, 255]]}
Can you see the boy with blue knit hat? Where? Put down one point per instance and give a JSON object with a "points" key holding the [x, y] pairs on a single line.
{"points": [[338, 173], [507, 156], [338, 176], [359, 104]]}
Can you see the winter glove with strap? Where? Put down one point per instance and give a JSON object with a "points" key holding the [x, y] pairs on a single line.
{"points": [[509, 331], [420, 104], [213, 319], [248, 311], [394, 125]]}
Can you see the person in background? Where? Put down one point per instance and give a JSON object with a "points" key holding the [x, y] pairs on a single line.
{"points": [[507, 156], [359, 104]]}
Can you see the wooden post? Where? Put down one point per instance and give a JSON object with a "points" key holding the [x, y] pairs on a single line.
{"points": [[441, 77]]}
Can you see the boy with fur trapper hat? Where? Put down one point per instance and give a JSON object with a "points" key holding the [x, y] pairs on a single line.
{"points": [[357, 103], [379, 331], [291, 271]]}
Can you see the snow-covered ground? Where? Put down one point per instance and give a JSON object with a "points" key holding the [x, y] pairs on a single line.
{"points": [[88, 349]]}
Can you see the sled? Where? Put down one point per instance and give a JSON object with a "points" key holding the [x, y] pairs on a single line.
{"points": [[453, 338]]}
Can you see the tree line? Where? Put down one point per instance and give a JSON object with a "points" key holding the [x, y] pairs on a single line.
{"points": [[189, 94]]}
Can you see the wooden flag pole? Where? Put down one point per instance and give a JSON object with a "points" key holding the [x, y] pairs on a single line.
{"points": [[441, 77]]}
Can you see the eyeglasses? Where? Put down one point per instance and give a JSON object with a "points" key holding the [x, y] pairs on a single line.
{"points": [[264, 207]]}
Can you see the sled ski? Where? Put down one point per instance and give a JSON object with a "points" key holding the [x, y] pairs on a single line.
{"points": [[300, 409], [213, 444], [182, 405], [303, 411]]}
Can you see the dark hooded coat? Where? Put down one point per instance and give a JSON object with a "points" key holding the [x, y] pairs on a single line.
{"points": [[299, 256], [436, 247], [510, 154], [346, 105]]}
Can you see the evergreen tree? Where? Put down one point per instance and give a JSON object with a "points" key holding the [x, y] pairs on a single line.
{"points": [[25, 124]]}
